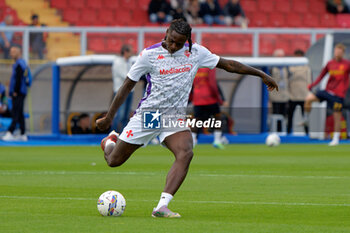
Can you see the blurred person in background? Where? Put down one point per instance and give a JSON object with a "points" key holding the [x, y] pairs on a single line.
{"points": [[192, 12], [177, 9], [120, 68], [17, 92], [83, 125], [279, 100], [206, 99], [211, 13], [337, 6], [37, 39], [6, 37], [298, 81], [159, 11], [338, 83], [4, 110], [234, 14]]}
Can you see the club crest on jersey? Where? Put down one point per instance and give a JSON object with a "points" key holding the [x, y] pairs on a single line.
{"points": [[176, 70], [160, 57], [187, 53]]}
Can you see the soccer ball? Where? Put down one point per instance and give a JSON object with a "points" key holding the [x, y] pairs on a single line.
{"points": [[273, 140], [111, 203]]}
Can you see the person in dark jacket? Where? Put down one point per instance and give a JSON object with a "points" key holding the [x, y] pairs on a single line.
{"points": [[18, 92], [234, 14], [159, 11], [211, 12]]}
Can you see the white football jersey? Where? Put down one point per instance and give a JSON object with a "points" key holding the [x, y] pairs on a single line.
{"points": [[169, 76]]}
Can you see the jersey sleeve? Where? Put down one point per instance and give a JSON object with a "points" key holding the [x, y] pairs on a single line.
{"points": [[207, 59], [142, 66]]}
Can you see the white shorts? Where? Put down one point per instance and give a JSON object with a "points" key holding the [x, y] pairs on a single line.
{"points": [[134, 133]]}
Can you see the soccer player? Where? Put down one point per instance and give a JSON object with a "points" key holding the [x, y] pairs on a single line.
{"points": [[206, 100], [170, 67], [338, 69]]}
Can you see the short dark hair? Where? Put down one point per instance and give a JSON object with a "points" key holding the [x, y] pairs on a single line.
{"points": [[125, 48], [35, 16], [183, 28], [299, 52], [16, 46]]}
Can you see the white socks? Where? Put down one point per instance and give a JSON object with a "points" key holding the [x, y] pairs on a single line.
{"points": [[194, 138], [109, 142], [217, 136], [336, 136], [165, 198]]}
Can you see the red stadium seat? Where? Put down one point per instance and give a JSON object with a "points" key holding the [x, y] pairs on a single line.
{"points": [[114, 45], [140, 16], [343, 20], [277, 20], [317, 7], [300, 6], [88, 17], [266, 6], [285, 45], [71, 15], [259, 20], [97, 45], [143, 4], [105, 17], [123, 17], [111, 4], [60, 4], [266, 46], [294, 20], [249, 5], [300, 44], [127, 4], [77, 4], [328, 20], [311, 20], [283, 6], [95, 4]]}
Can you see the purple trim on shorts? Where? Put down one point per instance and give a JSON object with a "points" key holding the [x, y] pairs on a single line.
{"points": [[154, 46], [148, 91]]}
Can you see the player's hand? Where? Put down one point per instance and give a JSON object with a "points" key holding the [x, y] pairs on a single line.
{"points": [[309, 87], [270, 83], [103, 123]]}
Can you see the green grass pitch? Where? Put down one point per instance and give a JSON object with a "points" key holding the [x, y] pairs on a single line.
{"points": [[244, 188]]}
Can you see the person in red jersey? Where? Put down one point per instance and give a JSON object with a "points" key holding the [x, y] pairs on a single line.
{"points": [[206, 100], [338, 69]]}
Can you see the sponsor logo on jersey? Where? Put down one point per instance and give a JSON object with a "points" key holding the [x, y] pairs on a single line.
{"points": [[176, 70]]}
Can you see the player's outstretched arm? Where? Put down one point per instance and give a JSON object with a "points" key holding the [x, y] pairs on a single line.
{"points": [[104, 122], [237, 67]]}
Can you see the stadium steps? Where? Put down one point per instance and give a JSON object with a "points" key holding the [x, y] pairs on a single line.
{"points": [[58, 44]]}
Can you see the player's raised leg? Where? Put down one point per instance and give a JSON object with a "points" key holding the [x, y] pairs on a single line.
{"points": [[310, 98], [116, 151], [181, 145]]}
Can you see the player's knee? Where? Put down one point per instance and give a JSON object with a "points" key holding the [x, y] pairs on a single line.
{"points": [[114, 163], [185, 155]]}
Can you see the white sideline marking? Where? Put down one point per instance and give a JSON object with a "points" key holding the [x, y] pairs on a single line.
{"points": [[19, 172], [198, 202]]}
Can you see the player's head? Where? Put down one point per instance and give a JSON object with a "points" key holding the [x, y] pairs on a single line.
{"points": [[339, 51], [177, 34], [35, 19], [126, 51], [8, 20], [15, 51], [299, 53]]}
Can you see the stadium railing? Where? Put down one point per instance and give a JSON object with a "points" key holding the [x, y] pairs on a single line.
{"points": [[83, 31]]}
